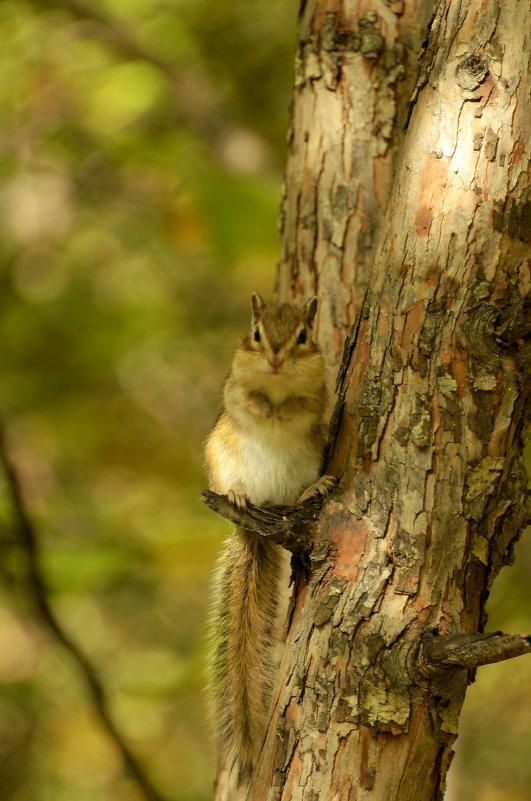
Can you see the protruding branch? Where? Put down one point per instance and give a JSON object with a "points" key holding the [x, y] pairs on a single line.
{"points": [[472, 650], [289, 526], [30, 543]]}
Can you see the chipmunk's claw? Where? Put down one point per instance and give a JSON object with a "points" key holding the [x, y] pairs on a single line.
{"points": [[321, 487], [238, 498]]}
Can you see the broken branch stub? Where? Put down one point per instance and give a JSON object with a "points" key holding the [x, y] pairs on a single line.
{"points": [[289, 526]]}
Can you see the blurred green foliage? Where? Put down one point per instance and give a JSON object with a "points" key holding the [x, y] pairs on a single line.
{"points": [[142, 146], [138, 198]]}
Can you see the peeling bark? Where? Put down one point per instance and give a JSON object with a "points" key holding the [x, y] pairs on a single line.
{"points": [[431, 406]]}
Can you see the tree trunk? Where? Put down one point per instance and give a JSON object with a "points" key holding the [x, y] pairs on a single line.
{"points": [[355, 70], [427, 432]]}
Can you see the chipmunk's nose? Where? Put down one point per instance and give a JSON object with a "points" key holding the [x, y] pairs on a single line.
{"points": [[275, 362]]}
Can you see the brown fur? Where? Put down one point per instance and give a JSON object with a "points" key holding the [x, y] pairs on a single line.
{"points": [[267, 445], [245, 634]]}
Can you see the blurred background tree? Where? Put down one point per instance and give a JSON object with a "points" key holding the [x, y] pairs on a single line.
{"points": [[142, 148]]}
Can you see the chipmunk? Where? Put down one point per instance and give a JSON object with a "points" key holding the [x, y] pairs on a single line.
{"points": [[267, 447]]}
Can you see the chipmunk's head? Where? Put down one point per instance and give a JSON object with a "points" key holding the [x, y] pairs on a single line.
{"points": [[280, 342]]}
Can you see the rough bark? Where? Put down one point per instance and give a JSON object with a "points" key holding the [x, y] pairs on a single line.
{"points": [[355, 70], [427, 434]]}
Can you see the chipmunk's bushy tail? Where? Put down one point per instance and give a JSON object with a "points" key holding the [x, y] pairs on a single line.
{"points": [[244, 634]]}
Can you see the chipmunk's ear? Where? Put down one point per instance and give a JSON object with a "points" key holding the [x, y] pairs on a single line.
{"points": [[257, 304], [310, 310]]}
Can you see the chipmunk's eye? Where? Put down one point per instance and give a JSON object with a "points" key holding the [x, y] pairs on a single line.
{"points": [[301, 339], [256, 335]]}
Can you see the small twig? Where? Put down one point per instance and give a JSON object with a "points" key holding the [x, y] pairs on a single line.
{"points": [[289, 526], [473, 650], [30, 543]]}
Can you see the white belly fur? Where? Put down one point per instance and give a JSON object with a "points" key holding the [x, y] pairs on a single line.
{"points": [[271, 464]]}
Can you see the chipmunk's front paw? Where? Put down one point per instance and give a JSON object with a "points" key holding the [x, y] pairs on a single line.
{"points": [[321, 487], [259, 405], [238, 498]]}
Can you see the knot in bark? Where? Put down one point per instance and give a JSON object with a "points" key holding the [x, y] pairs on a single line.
{"points": [[479, 329], [471, 72]]}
